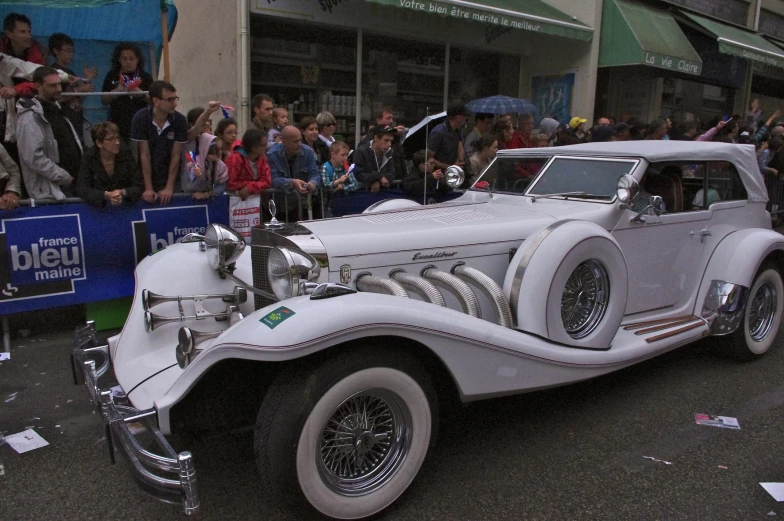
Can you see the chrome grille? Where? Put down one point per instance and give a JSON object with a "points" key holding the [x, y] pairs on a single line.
{"points": [[258, 258]]}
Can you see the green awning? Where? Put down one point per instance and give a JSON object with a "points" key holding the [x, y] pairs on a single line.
{"points": [[636, 34], [528, 15], [739, 42]]}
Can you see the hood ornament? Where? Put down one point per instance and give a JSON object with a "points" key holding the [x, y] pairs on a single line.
{"points": [[274, 222]]}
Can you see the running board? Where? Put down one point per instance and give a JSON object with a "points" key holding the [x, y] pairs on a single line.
{"points": [[669, 326]]}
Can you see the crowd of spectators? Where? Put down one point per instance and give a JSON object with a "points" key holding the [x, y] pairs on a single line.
{"points": [[149, 150]]}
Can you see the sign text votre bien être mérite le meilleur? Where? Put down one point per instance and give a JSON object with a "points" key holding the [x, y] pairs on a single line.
{"points": [[467, 14]]}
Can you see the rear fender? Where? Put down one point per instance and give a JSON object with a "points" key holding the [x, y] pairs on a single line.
{"points": [[737, 259]]}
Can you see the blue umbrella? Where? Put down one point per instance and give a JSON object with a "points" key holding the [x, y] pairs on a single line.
{"points": [[502, 105]]}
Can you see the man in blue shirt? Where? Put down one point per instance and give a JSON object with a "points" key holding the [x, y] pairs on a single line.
{"points": [[160, 132], [293, 166]]}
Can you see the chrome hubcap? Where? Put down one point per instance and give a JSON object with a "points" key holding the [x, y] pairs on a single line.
{"points": [[364, 442], [762, 311], [585, 298]]}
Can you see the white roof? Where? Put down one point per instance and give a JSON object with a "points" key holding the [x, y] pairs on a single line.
{"points": [[743, 157]]}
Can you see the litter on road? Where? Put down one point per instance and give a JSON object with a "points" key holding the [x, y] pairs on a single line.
{"points": [[657, 460], [5, 356], [11, 397], [25, 441], [724, 422], [775, 489]]}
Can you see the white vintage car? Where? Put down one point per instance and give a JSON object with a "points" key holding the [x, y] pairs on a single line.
{"points": [[558, 265]]}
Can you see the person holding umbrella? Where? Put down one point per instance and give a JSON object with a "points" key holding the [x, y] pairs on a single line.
{"points": [[445, 143]]}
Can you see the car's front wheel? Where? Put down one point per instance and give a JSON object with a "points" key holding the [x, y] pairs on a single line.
{"points": [[347, 436], [761, 316]]}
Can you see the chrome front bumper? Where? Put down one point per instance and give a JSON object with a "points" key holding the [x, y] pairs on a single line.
{"points": [[170, 478]]}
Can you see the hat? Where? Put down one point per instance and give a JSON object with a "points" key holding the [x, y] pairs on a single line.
{"points": [[622, 127], [380, 130], [575, 122]]}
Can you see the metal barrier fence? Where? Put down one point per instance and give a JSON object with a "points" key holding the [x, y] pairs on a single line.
{"points": [[775, 185]]}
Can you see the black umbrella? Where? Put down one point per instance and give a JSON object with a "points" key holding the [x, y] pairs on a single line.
{"points": [[417, 135]]}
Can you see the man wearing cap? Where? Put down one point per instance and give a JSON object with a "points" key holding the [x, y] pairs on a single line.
{"points": [[374, 166], [576, 124], [445, 143], [602, 134]]}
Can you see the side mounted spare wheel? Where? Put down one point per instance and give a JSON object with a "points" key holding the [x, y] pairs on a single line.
{"points": [[346, 436], [568, 282]]}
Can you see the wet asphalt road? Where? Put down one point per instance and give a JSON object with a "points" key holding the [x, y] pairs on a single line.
{"points": [[574, 453]]}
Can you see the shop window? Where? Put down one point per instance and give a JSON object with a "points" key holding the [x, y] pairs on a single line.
{"points": [[724, 183], [307, 69], [404, 75]]}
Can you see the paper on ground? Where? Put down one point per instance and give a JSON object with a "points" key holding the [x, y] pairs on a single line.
{"points": [[775, 489], [5, 356], [724, 422], [117, 392], [25, 441]]}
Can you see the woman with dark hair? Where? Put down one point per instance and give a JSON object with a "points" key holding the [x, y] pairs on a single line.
{"points": [[126, 75], [109, 173], [226, 131], [249, 172], [484, 152], [503, 131], [310, 136]]}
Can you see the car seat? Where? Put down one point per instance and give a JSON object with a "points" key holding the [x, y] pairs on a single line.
{"points": [[668, 186]]}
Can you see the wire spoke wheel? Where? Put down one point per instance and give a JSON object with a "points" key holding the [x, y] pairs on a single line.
{"points": [[364, 442], [762, 311], [585, 298]]}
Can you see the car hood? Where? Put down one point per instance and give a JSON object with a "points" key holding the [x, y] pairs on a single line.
{"points": [[456, 228]]}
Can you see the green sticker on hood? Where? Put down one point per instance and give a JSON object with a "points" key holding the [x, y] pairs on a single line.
{"points": [[272, 319]]}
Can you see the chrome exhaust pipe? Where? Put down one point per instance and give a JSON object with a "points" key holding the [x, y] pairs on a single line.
{"points": [[490, 288], [462, 292]]}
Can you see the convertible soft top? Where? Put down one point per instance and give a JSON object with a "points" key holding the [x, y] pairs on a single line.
{"points": [[742, 156]]}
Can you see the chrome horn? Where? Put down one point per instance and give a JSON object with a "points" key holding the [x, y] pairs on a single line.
{"points": [[153, 321], [188, 339], [150, 299]]}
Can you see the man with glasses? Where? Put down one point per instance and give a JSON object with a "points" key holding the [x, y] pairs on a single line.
{"points": [[50, 151], [160, 132]]}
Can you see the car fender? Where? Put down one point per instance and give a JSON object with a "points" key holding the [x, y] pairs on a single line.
{"points": [[737, 258], [538, 273]]}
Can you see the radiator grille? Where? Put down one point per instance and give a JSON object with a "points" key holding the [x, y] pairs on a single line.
{"points": [[258, 259]]}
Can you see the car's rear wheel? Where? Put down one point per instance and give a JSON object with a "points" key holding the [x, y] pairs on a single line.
{"points": [[346, 437], [761, 316]]}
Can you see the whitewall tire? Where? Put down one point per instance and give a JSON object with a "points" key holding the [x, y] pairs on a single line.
{"points": [[761, 316], [347, 437]]}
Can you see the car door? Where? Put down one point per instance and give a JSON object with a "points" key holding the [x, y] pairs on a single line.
{"points": [[663, 252]]}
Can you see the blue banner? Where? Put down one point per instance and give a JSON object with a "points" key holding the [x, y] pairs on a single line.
{"points": [[552, 96], [65, 254]]}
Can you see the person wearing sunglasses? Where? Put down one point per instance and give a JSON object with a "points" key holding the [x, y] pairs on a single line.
{"points": [[160, 131]]}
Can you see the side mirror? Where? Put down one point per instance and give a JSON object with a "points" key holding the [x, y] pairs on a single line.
{"points": [[656, 204], [628, 188]]}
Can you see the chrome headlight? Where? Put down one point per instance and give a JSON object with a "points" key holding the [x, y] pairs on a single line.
{"points": [[223, 245], [628, 189], [288, 270], [454, 176]]}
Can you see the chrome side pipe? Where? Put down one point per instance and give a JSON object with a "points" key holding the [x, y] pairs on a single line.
{"points": [[462, 292], [490, 288]]}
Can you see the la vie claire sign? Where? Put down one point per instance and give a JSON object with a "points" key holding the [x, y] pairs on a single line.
{"points": [[467, 14], [676, 64]]}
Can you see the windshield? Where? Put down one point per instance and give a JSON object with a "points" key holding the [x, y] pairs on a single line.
{"points": [[511, 174], [595, 178]]}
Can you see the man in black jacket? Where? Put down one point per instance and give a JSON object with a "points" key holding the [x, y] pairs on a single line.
{"points": [[374, 166]]}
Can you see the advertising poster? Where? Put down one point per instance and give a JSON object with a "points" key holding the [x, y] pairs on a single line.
{"points": [[552, 96]]}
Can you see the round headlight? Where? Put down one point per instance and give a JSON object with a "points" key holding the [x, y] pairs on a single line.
{"points": [[454, 176], [223, 245], [628, 189], [288, 270]]}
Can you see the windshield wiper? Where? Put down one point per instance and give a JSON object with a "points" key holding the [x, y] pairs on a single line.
{"points": [[534, 197]]}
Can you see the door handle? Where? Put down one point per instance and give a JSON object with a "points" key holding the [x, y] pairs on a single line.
{"points": [[702, 233]]}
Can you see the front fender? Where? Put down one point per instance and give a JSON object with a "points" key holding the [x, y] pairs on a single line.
{"points": [[737, 259]]}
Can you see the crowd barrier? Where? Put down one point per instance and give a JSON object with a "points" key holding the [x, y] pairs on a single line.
{"points": [[775, 185], [60, 253]]}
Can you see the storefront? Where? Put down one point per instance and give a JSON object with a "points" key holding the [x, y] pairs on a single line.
{"points": [[674, 63], [352, 58]]}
